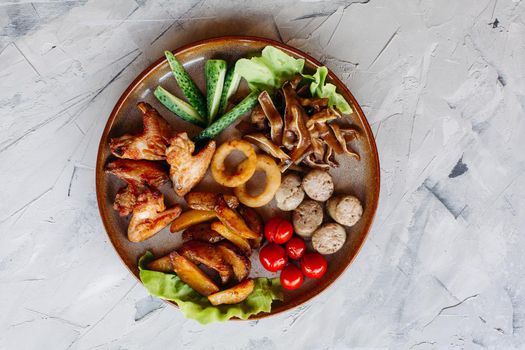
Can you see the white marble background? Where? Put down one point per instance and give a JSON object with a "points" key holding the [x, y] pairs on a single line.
{"points": [[443, 85]]}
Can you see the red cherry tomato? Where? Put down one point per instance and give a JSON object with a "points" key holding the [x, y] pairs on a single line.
{"points": [[273, 257], [313, 265], [291, 277], [295, 248], [278, 230]]}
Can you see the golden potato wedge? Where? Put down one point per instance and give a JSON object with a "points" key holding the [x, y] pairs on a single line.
{"points": [[161, 264], [201, 232], [254, 222], [190, 274], [190, 218], [207, 254], [240, 264], [206, 200], [252, 219], [233, 220], [233, 295], [237, 240]]}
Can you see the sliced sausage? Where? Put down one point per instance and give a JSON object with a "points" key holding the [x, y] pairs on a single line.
{"points": [[318, 185], [307, 217], [329, 238], [345, 209], [290, 194]]}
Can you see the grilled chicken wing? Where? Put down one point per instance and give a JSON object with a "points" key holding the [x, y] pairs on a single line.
{"points": [[150, 215], [126, 199], [186, 169], [137, 174], [150, 144]]}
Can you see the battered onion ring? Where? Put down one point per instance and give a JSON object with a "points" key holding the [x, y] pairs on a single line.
{"points": [[273, 181], [244, 170]]}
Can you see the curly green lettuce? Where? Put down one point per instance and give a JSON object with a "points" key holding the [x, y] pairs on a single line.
{"points": [[274, 67], [319, 88], [270, 70], [195, 306]]}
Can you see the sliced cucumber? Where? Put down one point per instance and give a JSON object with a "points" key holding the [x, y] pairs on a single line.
{"points": [[231, 84], [188, 87], [181, 108], [227, 119], [215, 71]]}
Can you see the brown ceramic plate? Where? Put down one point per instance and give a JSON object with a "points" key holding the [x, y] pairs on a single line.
{"points": [[360, 178]]}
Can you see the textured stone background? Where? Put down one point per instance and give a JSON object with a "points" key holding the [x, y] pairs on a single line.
{"points": [[443, 86]]}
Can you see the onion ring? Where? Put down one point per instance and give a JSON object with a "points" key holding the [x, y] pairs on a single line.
{"points": [[273, 181], [243, 172]]}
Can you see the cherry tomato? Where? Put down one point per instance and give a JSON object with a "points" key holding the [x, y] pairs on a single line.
{"points": [[295, 248], [313, 265], [278, 230], [291, 277], [273, 257]]}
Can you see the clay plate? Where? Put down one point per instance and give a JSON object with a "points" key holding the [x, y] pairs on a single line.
{"points": [[360, 178]]}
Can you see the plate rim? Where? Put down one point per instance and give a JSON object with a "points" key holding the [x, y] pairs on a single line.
{"points": [[99, 169]]}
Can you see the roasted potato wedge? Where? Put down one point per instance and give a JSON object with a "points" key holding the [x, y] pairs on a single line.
{"points": [[207, 254], [254, 222], [201, 232], [190, 274], [191, 217], [240, 264], [161, 264], [207, 200], [237, 240], [252, 219], [255, 243], [233, 220], [233, 295]]}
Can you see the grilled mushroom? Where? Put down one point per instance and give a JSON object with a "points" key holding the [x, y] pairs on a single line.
{"points": [[258, 119], [295, 136], [274, 117], [267, 146], [313, 162], [323, 116], [329, 157], [345, 135], [315, 103]]}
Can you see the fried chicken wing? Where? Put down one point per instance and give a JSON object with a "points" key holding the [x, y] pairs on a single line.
{"points": [[137, 173], [150, 215], [150, 144], [126, 199], [186, 169]]}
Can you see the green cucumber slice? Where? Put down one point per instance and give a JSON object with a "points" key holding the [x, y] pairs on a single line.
{"points": [[188, 87], [215, 72], [227, 119], [181, 108], [231, 84]]}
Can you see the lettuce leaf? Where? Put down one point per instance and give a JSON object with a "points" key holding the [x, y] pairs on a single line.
{"points": [[193, 305], [270, 70], [319, 88]]}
